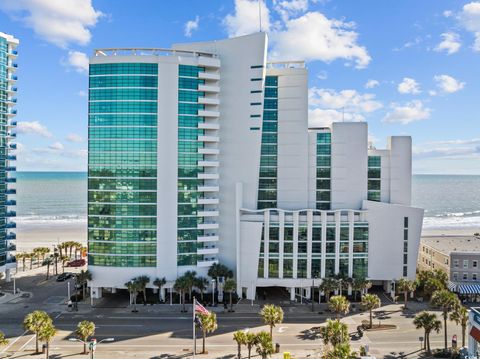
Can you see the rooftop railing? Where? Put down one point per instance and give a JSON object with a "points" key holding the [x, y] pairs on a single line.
{"points": [[149, 52]]}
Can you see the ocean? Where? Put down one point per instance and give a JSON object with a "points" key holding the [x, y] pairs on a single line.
{"points": [[450, 202]]}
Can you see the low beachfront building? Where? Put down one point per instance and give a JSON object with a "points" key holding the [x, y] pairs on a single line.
{"points": [[203, 154], [458, 256], [8, 101]]}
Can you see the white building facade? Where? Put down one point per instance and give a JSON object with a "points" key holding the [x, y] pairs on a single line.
{"points": [[202, 154]]}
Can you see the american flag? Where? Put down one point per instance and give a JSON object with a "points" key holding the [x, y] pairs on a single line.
{"points": [[200, 308]]}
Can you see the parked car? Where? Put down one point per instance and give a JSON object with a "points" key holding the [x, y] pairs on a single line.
{"points": [[64, 276], [77, 263]]}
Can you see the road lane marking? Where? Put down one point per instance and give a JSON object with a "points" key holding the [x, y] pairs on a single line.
{"points": [[28, 342], [16, 339]]}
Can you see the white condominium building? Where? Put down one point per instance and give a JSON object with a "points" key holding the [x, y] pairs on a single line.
{"points": [[202, 154]]}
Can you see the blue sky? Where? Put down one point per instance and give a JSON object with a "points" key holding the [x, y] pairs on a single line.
{"points": [[407, 67]]}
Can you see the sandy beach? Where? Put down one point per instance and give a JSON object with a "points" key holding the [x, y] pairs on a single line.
{"points": [[30, 236]]}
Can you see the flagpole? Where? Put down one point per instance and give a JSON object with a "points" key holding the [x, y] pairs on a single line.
{"points": [[194, 334]]}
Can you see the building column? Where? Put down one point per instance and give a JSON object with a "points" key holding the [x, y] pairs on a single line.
{"points": [[307, 292], [114, 290], [292, 294], [8, 275], [96, 292], [162, 294], [251, 292]]}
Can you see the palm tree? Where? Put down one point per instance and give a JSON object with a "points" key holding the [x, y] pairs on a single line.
{"points": [[340, 280], [359, 285], [31, 257], [35, 322], [327, 286], [201, 283], [240, 337], [272, 315], [339, 305], [427, 321], [446, 301], [341, 351], [406, 286], [251, 340], [82, 278], [219, 270], [48, 262], [181, 286], [46, 335], [190, 279], [159, 282], [264, 344], [371, 302], [334, 333], [64, 259], [85, 330], [143, 280], [460, 316], [229, 287], [23, 257], [4, 341], [132, 287], [208, 323]]}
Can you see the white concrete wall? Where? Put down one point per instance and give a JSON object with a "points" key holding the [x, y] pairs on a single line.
{"points": [[400, 169], [239, 146], [385, 257], [292, 175], [349, 164]]}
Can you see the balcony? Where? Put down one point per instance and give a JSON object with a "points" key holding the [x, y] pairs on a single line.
{"points": [[11, 248], [206, 113], [10, 180], [11, 214], [208, 238], [12, 157], [209, 151], [13, 78], [208, 62], [12, 53], [12, 66], [11, 135], [208, 138], [207, 226], [208, 188], [208, 213], [211, 250], [208, 88], [11, 191], [13, 146], [207, 263], [11, 112], [208, 126], [208, 176], [11, 236], [11, 225], [11, 89], [12, 123], [208, 163], [11, 202], [11, 101], [208, 101], [209, 76], [10, 169], [208, 200]]}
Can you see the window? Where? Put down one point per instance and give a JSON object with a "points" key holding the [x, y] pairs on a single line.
{"points": [[465, 276], [474, 276], [455, 276], [474, 264], [465, 263], [455, 263]]}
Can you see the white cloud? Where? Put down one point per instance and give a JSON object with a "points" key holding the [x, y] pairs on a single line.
{"points": [[470, 19], [310, 36], [447, 13], [321, 118], [408, 86], [315, 37], [33, 127], [448, 84], [410, 112], [191, 26], [78, 60], [73, 137], [245, 20], [327, 106], [322, 75], [288, 8], [370, 84], [350, 100], [450, 43], [56, 146], [82, 93], [61, 22]]}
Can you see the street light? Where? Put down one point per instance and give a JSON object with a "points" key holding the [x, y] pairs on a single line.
{"points": [[213, 292], [91, 344], [313, 292]]}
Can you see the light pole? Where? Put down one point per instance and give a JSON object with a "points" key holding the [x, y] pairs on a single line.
{"points": [[91, 344], [313, 293], [213, 292], [14, 284]]}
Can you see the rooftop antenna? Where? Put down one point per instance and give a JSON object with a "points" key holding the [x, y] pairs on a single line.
{"points": [[260, 14]]}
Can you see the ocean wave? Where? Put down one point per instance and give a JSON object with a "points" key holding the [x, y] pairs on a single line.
{"points": [[452, 222]]}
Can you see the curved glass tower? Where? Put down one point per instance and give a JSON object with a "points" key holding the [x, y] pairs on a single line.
{"points": [[8, 90]]}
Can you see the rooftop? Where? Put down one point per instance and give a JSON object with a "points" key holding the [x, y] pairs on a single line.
{"points": [[448, 244], [138, 51]]}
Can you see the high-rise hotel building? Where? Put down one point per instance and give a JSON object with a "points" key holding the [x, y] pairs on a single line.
{"points": [[8, 90], [202, 154]]}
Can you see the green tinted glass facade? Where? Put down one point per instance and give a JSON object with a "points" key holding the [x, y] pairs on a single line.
{"points": [[374, 178], [267, 187], [122, 165], [188, 168], [324, 156], [7, 135]]}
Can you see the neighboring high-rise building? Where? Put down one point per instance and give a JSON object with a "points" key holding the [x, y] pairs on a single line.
{"points": [[8, 90], [202, 154]]}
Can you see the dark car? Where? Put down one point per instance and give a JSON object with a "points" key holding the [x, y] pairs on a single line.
{"points": [[77, 263], [64, 276]]}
